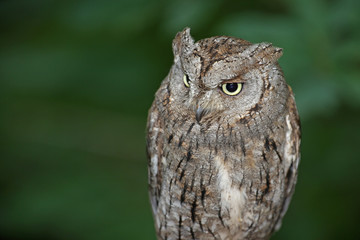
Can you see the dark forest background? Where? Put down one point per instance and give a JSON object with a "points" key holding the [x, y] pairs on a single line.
{"points": [[77, 79]]}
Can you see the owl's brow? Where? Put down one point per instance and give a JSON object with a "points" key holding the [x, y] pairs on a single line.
{"points": [[236, 79]]}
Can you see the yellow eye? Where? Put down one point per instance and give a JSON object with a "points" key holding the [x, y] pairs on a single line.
{"points": [[186, 80], [231, 89]]}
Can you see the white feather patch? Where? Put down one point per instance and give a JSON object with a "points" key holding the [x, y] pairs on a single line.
{"points": [[289, 153], [232, 198], [154, 164]]}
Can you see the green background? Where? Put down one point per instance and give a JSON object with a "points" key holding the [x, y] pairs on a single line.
{"points": [[78, 77]]}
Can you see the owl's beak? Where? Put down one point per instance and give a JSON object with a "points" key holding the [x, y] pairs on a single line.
{"points": [[199, 113]]}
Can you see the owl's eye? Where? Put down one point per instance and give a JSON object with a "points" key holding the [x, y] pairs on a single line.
{"points": [[231, 89], [186, 80]]}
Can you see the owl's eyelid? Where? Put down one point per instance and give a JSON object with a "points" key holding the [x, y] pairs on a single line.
{"points": [[231, 81]]}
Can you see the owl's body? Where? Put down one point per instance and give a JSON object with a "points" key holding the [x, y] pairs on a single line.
{"points": [[222, 165]]}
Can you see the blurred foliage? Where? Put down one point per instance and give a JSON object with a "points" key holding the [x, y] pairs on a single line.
{"points": [[77, 79]]}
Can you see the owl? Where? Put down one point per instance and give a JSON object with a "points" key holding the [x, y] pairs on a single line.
{"points": [[223, 139]]}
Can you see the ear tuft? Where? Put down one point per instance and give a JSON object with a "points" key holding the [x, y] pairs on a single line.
{"points": [[266, 52], [183, 43]]}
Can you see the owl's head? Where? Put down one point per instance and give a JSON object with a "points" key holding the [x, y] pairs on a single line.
{"points": [[224, 75]]}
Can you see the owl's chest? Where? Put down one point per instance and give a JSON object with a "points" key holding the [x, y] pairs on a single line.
{"points": [[206, 155], [204, 187], [204, 169], [215, 177]]}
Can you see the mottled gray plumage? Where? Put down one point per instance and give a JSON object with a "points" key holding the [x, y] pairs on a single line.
{"points": [[222, 166]]}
